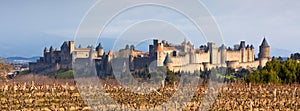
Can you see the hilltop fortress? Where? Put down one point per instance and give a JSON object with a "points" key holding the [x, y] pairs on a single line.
{"points": [[177, 57]]}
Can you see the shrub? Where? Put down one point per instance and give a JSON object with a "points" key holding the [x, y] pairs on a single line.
{"points": [[65, 74], [276, 72]]}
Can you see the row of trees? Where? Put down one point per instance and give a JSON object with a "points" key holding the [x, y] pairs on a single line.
{"points": [[277, 72]]}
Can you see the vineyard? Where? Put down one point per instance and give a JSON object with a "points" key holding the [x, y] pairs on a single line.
{"points": [[50, 94]]}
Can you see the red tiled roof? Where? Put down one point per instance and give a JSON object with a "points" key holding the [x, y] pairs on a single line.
{"points": [[159, 48]]}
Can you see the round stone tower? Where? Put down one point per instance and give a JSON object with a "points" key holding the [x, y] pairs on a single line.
{"points": [[264, 50], [264, 53], [100, 50]]}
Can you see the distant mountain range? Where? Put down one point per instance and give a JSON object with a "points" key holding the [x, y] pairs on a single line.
{"points": [[280, 52], [21, 60]]}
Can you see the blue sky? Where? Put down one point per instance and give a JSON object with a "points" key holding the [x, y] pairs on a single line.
{"points": [[29, 26]]}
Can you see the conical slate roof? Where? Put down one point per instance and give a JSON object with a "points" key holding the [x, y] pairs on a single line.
{"points": [[99, 46], [168, 59], [242, 44], [51, 49], [265, 43], [45, 50]]}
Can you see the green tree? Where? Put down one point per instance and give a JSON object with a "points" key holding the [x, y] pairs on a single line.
{"points": [[288, 71], [273, 65], [171, 77], [271, 73], [269, 77], [298, 73], [254, 77]]}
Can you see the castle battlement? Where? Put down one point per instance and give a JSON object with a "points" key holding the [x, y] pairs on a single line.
{"points": [[177, 57]]}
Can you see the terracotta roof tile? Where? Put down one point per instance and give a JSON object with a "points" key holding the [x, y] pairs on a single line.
{"points": [[159, 48]]}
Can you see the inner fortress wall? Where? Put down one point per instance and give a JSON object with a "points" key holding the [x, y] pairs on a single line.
{"points": [[180, 61], [233, 55], [202, 57], [249, 64]]}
